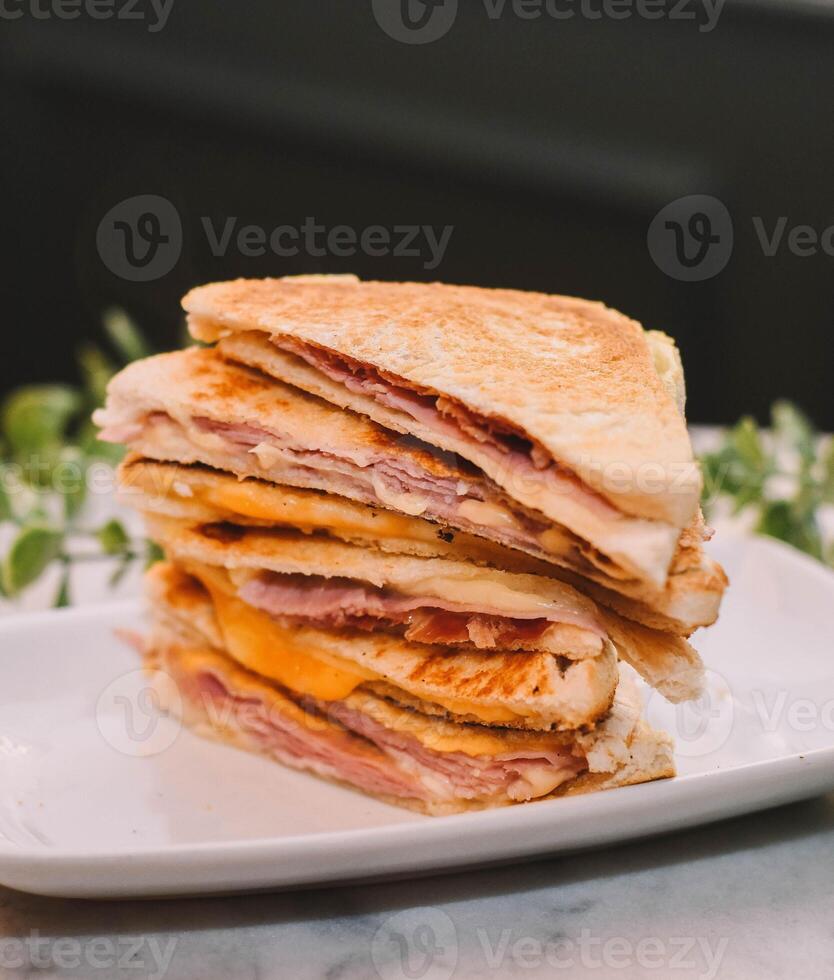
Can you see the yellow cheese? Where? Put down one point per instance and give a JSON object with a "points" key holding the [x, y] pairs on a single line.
{"points": [[491, 714], [467, 742], [443, 736], [251, 499], [246, 498], [432, 733], [262, 645]]}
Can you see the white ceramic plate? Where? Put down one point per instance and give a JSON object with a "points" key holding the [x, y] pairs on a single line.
{"points": [[101, 797]]}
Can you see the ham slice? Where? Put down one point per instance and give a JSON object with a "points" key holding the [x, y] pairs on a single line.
{"points": [[484, 632], [545, 490], [445, 416], [520, 775], [336, 600], [342, 742], [329, 605], [385, 481], [329, 753], [375, 475]]}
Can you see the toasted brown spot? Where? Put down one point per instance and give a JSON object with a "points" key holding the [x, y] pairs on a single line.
{"points": [[222, 532]]}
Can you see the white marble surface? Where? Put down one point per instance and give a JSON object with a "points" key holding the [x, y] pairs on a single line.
{"points": [[748, 898]]}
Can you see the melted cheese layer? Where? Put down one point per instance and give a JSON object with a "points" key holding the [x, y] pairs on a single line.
{"points": [[307, 510], [265, 647], [262, 645], [432, 733]]}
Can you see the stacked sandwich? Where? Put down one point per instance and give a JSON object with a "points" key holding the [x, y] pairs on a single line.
{"points": [[419, 538]]}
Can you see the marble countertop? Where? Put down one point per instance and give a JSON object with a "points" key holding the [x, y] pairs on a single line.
{"points": [[751, 898]]}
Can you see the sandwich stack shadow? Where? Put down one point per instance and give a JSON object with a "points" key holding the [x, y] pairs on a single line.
{"points": [[420, 540]]}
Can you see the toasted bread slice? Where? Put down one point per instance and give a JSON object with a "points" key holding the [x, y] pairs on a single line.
{"points": [[666, 661], [575, 378], [170, 408], [351, 743], [535, 691]]}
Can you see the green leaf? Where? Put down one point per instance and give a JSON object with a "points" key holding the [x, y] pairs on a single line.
{"points": [[96, 370], [74, 500], [120, 571], [36, 417], [69, 480], [711, 470], [736, 477], [32, 509], [827, 481], [807, 538], [779, 519], [125, 335], [113, 538], [793, 428], [62, 597], [807, 499], [722, 473], [745, 440], [32, 550], [752, 493], [739, 468], [776, 520], [24, 502], [39, 467], [153, 554], [6, 513]]}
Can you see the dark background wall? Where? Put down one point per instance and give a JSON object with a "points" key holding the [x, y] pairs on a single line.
{"points": [[549, 145]]}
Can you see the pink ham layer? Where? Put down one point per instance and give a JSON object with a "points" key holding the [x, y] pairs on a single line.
{"points": [[446, 417], [377, 760], [319, 599], [359, 473]]}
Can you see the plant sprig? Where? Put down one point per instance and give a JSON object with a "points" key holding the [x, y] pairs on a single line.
{"points": [[783, 477], [47, 446]]}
